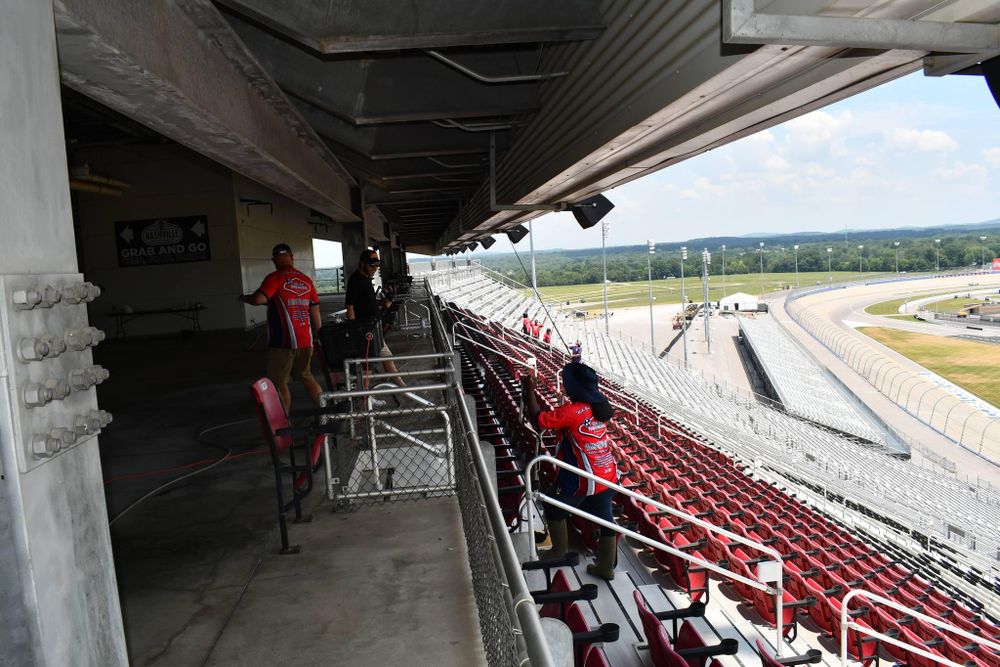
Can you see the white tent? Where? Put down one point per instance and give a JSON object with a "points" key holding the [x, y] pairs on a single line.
{"points": [[738, 301]]}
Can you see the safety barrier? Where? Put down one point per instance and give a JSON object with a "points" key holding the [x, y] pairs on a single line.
{"points": [[767, 571], [846, 624]]}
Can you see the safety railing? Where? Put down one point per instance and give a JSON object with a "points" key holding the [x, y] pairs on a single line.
{"points": [[529, 363], [411, 321], [768, 572], [494, 549], [847, 623]]}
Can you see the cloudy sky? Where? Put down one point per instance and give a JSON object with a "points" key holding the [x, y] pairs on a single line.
{"points": [[915, 152]]}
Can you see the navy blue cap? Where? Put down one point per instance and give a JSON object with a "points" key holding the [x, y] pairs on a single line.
{"points": [[581, 385]]}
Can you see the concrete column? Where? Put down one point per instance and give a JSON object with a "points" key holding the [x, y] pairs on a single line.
{"points": [[58, 593], [352, 238]]}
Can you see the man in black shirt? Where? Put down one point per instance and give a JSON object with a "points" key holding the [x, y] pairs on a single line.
{"points": [[361, 302]]}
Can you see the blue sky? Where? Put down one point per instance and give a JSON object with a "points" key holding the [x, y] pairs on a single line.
{"points": [[917, 151]]}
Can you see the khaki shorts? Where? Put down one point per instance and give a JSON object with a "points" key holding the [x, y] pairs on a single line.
{"points": [[283, 363]]}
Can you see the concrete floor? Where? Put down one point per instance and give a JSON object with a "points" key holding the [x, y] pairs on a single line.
{"points": [[198, 571]]}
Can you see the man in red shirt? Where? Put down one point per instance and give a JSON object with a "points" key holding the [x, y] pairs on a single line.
{"points": [[525, 323], [583, 443], [536, 328], [292, 317], [547, 338]]}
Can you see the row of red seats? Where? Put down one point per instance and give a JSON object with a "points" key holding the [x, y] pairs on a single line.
{"points": [[823, 561]]}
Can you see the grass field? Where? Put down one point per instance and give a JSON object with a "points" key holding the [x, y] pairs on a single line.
{"points": [[625, 295], [971, 365], [944, 306]]}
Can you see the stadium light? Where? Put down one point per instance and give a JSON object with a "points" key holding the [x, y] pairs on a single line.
{"points": [[723, 270], [684, 319], [796, 246], [861, 254], [896, 244], [706, 261], [651, 246], [760, 249], [605, 229], [829, 265]]}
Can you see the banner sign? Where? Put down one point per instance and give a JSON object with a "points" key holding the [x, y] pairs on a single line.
{"points": [[996, 263], [162, 241]]}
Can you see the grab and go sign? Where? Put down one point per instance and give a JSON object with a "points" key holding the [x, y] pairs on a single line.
{"points": [[162, 241]]}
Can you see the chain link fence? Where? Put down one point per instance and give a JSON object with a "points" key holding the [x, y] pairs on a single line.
{"points": [[489, 582]]}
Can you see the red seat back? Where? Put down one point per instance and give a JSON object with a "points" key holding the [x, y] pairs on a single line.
{"points": [[560, 584], [596, 658], [271, 414], [766, 659]]}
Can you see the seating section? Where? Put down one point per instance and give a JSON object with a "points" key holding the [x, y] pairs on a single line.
{"points": [[898, 493], [800, 384], [663, 457]]}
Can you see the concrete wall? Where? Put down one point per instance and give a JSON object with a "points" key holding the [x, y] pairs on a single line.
{"points": [[260, 227], [167, 181]]}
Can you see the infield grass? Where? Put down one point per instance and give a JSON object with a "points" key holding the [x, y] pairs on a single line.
{"points": [[632, 294], [972, 365]]}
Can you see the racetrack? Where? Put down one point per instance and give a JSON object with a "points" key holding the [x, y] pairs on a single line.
{"points": [[910, 398]]}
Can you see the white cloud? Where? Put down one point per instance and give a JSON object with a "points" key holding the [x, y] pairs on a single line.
{"points": [[961, 171], [924, 141], [992, 155], [776, 162]]}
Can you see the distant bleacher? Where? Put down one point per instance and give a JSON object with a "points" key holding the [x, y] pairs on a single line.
{"points": [[800, 384]]}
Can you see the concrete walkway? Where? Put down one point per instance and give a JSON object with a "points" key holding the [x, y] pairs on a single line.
{"points": [[198, 572], [383, 587]]}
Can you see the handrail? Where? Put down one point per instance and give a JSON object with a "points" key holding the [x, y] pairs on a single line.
{"points": [[846, 623], [526, 364], [521, 602], [777, 590]]}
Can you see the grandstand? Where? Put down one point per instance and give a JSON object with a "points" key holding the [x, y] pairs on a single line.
{"points": [[849, 480], [798, 383], [726, 475]]}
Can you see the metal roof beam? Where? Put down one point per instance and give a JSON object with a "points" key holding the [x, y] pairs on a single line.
{"points": [[395, 89], [241, 119], [339, 26], [741, 24]]}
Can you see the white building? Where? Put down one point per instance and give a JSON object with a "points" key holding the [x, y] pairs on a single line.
{"points": [[738, 301]]}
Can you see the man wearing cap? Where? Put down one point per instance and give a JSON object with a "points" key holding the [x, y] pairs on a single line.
{"points": [[361, 303], [292, 317], [584, 444]]}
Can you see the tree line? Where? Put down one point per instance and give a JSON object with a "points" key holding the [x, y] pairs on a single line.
{"points": [[917, 251]]}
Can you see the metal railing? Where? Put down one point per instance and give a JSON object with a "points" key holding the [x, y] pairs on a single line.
{"points": [[846, 623], [768, 571], [496, 568]]}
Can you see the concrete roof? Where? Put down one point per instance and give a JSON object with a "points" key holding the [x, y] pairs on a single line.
{"points": [[348, 104]]}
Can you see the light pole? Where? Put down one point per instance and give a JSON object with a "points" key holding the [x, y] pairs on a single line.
{"points": [[605, 227], [829, 265], [896, 244], [937, 251], [796, 246], [651, 245], [760, 249], [982, 251], [861, 255], [684, 319], [723, 270], [706, 261], [531, 243]]}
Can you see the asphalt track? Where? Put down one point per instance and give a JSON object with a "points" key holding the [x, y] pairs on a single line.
{"points": [[843, 311]]}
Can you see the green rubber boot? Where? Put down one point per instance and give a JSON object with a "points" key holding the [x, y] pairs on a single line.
{"points": [[560, 540], [607, 550]]}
